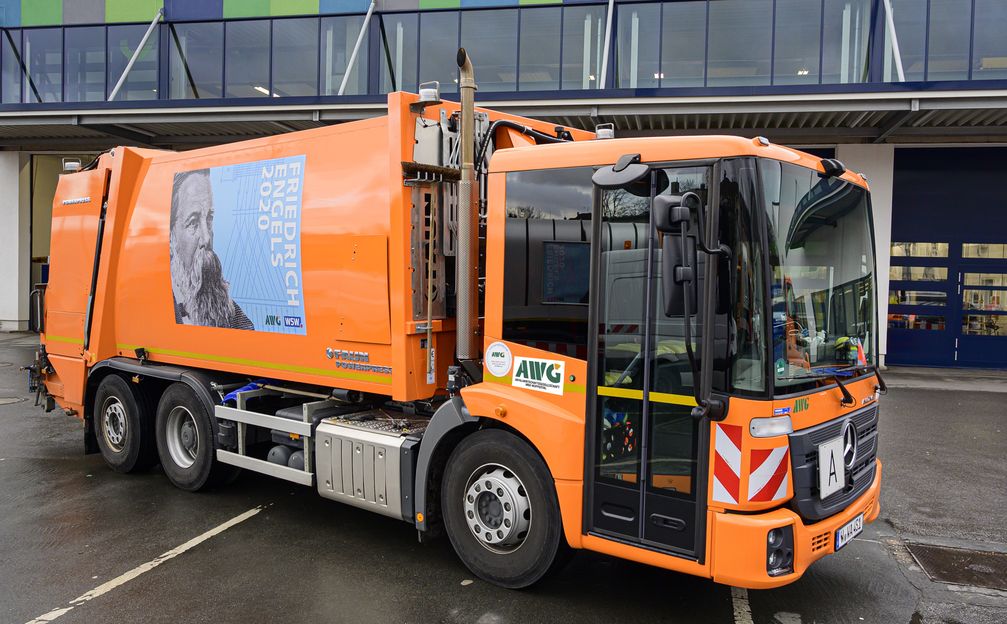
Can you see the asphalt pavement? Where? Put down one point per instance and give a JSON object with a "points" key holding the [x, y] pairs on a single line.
{"points": [[79, 543]]}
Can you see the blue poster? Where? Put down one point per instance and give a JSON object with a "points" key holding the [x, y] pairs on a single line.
{"points": [[235, 246]]}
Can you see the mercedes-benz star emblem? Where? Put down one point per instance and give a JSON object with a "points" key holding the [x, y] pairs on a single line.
{"points": [[849, 444]]}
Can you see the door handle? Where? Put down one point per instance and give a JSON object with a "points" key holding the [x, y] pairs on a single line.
{"points": [[667, 522]]}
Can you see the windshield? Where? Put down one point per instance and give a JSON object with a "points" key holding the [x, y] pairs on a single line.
{"points": [[821, 255]]}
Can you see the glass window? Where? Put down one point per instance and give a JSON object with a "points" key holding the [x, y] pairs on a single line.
{"points": [[247, 59], [491, 39], [948, 49], [910, 17], [10, 59], [438, 47], [43, 49], [638, 46], [683, 44], [196, 60], [339, 35], [984, 324], [740, 42], [984, 250], [84, 64], [583, 42], [920, 250], [397, 51], [538, 65], [917, 297], [142, 81], [990, 300], [798, 42], [916, 321], [295, 56], [918, 273], [845, 41], [985, 279], [989, 56], [548, 228]]}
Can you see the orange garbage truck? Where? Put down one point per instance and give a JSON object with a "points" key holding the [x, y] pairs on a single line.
{"points": [[531, 338]]}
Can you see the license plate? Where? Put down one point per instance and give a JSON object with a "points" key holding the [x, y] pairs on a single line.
{"points": [[831, 470], [846, 533]]}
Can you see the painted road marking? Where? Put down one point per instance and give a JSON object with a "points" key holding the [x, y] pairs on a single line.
{"points": [[122, 579], [742, 610]]}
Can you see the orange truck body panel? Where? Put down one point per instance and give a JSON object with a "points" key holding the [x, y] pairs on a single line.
{"points": [[355, 245]]}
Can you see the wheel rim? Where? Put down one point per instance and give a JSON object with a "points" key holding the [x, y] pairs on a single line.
{"points": [[497, 508], [182, 436], [114, 423]]}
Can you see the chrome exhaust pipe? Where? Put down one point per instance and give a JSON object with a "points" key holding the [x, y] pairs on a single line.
{"points": [[467, 257]]}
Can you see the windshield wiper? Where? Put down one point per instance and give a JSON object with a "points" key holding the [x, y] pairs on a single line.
{"points": [[882, 387], [833, 375]]}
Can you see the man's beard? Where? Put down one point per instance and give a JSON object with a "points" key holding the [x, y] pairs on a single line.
{"points": [[201, 289]]}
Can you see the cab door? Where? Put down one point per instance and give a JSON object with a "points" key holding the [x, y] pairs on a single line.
{"points": [[644, 475]]}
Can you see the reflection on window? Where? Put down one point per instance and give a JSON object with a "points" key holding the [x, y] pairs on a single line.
{"points": [[638, 46], [84, 64], [539, 49], [397, 56], [141, 82], [798, 42], [739, 51], [984, 325], [918, 273], [917, 297], [246, 61], [196, 60], [683, 44], [910, 17], [295, 57], [438, 46], [990, 300], [43, 49], [339, 35], [583, 42], [985, 279], [984, 250], [846, 41], [491, 38], [989, 58], [948, 49], [10, 66], [920, 250], [915, 321]]}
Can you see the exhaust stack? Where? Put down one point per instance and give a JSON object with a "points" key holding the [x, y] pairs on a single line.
{"points": [[467, 271]]}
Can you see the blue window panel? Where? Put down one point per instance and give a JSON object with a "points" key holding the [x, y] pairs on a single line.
{"points": [[351, 6], [142, 81], [43, 52], [10, 12], [84, 64], [180, 10]]}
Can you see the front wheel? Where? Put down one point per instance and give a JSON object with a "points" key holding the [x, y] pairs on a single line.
{"points": [[500, 510]]}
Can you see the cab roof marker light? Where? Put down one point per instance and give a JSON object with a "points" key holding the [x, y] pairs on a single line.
{"points": [[771, 427], [761, 140], [604, 131]]}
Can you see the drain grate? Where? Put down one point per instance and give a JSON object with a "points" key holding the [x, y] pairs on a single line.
{"points": [[959, 566]]}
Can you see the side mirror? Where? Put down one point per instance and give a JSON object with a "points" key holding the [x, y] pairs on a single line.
{"points": [[669, 213], [622, 175]]}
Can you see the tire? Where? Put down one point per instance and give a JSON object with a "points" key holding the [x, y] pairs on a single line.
{"points": [[124, 425], [185, 441], [505, 557]]}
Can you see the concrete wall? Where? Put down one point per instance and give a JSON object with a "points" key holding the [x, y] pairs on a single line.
{"points": [[877, 162], [15, 236]]}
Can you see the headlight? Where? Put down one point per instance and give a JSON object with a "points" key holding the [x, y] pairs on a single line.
{"points": [[780, 551], [770, 427]]}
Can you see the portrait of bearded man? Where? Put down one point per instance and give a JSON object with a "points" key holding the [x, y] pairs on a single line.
{"points": [[200, 292]]}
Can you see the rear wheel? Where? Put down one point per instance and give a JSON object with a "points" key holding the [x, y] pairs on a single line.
{"points": [[500, 510], [123, 425], [185, 441]]}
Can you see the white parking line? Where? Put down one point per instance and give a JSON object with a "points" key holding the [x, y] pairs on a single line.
{"points": [[742, 610], [104, 588]]}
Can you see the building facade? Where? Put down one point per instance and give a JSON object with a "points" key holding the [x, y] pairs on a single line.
{"points": [[913, 93]]}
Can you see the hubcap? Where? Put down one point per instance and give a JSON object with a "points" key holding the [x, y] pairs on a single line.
{"points": [[114, 423], [497, 508], [182, 436]]}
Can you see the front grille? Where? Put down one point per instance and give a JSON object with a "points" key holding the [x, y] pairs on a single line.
{"points": [[804, 456], [821, 541]]}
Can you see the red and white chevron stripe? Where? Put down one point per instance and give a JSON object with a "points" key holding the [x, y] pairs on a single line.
{"points": [[727, 464], [768, 479]]}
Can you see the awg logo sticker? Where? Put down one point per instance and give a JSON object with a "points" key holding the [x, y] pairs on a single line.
{"points": [[540, 375]]}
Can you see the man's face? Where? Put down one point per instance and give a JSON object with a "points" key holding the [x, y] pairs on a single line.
{"points": [[193, 230]]}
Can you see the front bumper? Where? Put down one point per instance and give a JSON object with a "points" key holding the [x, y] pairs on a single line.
{"points": [[738, 541]]}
